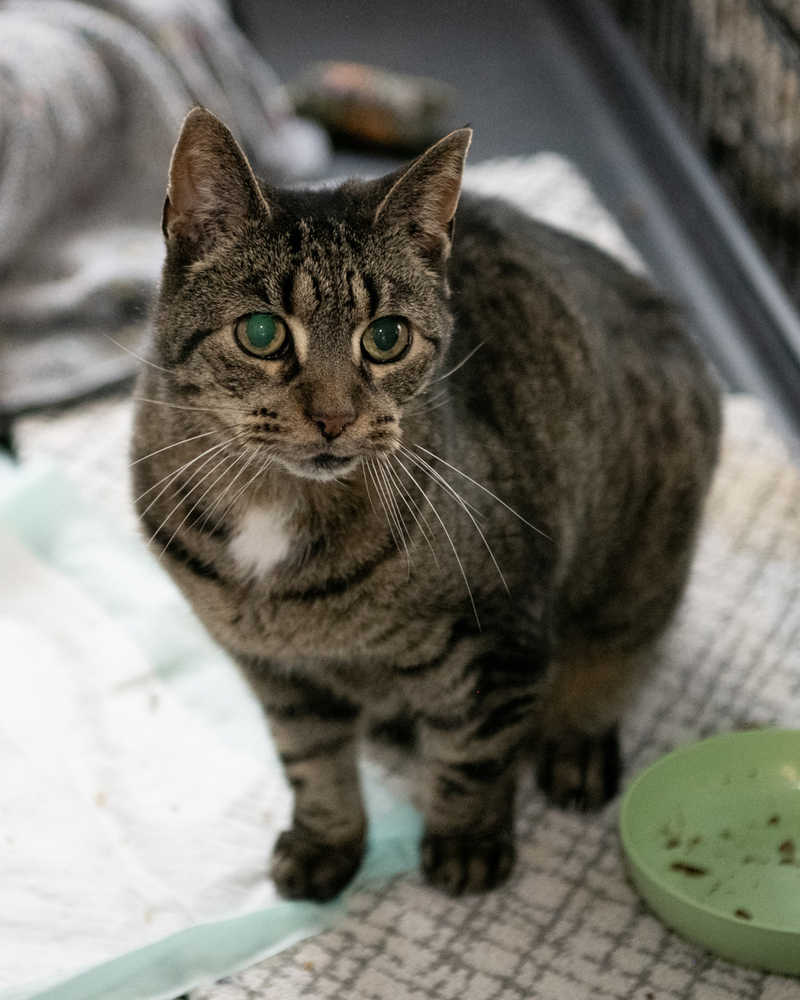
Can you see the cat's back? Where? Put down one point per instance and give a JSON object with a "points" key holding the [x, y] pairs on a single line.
{"points": [[564, 321], [584, 377], [502, 255]]}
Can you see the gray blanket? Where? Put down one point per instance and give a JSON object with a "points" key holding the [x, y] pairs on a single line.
{"points": [[91, 100]]}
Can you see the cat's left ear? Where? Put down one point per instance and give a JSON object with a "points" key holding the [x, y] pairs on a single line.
{"points": [[425, 195]]}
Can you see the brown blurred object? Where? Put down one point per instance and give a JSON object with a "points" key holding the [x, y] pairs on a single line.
{"points": [[372, 107]]}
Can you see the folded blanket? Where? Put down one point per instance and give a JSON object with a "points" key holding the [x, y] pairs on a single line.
{"points": [[139, 790], [91, 99]]}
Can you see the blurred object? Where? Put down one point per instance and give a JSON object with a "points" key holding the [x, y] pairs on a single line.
{"points": [[733, 69], [67, 364], [373, 107], [91, 100]]}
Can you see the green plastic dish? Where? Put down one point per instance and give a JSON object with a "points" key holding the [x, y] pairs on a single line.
{"points": [[712, 834]]}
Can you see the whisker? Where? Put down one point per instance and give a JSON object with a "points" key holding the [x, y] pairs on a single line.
{"points": [[438, 395], [430, 409], [180, 406], [428, 469], [194, 505], [380, 470], [176, 444], [449, 539], [460, 363], [485, 490], [172, 476], [268, 461], [138, 357], [247, 459], [382, 499], [427, 405], [415, 511], [237, 457], [437, 478], [366, 483]]}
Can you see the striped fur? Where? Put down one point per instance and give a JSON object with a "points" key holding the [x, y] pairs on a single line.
{"points": [[480, 539]]}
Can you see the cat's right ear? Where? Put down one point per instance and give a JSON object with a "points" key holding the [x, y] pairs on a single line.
{"points": [[423, 196], [212, 189]]}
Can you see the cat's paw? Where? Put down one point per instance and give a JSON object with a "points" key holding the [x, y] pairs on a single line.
{"points": [[581, 771], [306, 868], [467, 862]]}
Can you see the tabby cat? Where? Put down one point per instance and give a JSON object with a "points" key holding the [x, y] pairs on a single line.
{"points": [[439, 474]]}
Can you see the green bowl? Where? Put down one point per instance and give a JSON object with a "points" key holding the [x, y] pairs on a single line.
{"points": [[712, 834]]}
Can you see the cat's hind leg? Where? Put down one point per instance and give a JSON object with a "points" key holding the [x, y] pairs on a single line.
{"points": [[601, 647], [576, 740]]}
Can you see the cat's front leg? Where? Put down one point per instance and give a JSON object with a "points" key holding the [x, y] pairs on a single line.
{"points": [[315, 733], [470, 765]]}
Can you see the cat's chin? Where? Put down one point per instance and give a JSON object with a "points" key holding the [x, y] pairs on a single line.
{"points": [[324, 468]]}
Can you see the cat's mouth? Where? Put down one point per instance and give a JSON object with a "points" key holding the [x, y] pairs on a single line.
{"points": [[326, 462], [325, 466]]}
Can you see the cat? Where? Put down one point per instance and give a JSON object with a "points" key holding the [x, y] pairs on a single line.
{"points": [[432, 469]]}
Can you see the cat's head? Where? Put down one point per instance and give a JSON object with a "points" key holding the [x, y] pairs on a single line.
{"points": [[306, 321]]}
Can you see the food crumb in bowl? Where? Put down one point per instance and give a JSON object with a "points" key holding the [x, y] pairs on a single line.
{"points": [[673, 842], [725, 835], [786, 851], [694, 871], [773, 820], [743, 914]]}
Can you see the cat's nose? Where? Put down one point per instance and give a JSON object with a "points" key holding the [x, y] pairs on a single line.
{"points": [[332, 424]]}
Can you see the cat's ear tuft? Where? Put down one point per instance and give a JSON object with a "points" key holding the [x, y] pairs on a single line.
{"points": [[426, 193], [211, 190]]}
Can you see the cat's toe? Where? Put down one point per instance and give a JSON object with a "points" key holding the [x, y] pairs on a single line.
{"points": [[306, 868], [581, 771], [467, 862]]}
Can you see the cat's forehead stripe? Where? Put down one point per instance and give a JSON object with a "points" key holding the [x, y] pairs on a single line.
{"points": [[372, 292], [300, 338], [287, 292], [306, 297]]}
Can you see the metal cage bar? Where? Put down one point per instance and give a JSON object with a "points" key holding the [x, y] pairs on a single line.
{"points": [[732, 71]]}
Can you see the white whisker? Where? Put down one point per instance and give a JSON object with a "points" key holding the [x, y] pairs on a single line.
{"points": [[210, 472], [460, 363], [428, 469], [382, 499], [425, 467], [268, 461], [381, 471], [449, 539], [144, 361], [480, 487], [444, 402], [181, 406], [172, 476], [175, 444], [441, 398], [366, 483], [414, 510]]}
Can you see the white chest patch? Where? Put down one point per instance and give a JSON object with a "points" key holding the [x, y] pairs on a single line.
{"points": [[261, 542]]}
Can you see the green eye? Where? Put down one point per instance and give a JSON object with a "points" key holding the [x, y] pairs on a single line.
{"points": [[386, 338], [262, 334]]}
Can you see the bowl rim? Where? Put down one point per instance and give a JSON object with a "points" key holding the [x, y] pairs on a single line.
{"points": [[646, 775]]}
